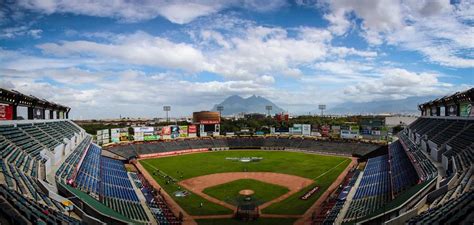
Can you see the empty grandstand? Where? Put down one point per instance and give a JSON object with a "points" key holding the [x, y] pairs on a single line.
{"points": [[426, 177], [52, 173]]}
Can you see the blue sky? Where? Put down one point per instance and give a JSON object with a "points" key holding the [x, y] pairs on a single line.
{"points": [[111, 58]]}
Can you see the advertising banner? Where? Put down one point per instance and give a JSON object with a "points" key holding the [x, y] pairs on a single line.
{"points": [[201, 128], [465, 109], [452, 110], [282, 130], [183, 131], [306, 129], [192, 129], [166, 130], [434, 111], [139, 138], [151, 138], [144, 129], [38, 114], [6, 112], [115, 135], [124, 134], [174, 131], [155, 155], [297, 129], [209, 121], [325, 130], [354, 128]]}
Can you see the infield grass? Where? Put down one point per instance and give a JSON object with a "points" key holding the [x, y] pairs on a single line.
{"points": [[321, 168], [229, 192]]}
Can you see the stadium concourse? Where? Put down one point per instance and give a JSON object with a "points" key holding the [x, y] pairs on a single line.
{"points": [[52, 173]]}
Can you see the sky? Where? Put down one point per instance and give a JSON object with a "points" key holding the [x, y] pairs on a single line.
{"points": [[130, 58]]}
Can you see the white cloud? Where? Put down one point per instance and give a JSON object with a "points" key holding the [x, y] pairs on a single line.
{"points": [[438, 30], [345, 69], [139, 48], [25, 30], [179, 12], [264, 50], [396, 83]]}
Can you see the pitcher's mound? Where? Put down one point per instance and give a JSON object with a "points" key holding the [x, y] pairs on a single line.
{"points": [[246, 192]]}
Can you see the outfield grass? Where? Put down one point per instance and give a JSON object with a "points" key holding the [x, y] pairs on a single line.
{"points": [[229, 192], [305, 165], [260, 221]]}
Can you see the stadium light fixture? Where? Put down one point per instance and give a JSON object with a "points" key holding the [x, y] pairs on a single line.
{"points": [[220, 108], [322, 108], [167, 108], [268, 108]]}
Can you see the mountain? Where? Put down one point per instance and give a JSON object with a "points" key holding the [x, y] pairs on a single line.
{"points": [[402, 106], [253, 104]]}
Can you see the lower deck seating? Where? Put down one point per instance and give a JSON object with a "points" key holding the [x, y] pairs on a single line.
{"points": [[373, 190], [402, 172], [118, 190], [68, 167], [343, 147], [156, 203], [87, 178]]}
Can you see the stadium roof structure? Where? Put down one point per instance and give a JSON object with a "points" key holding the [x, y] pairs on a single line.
{"points": [[20, 99], [465, 96]]}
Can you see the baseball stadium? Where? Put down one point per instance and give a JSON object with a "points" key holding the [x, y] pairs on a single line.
{"points": [[54, 172]]}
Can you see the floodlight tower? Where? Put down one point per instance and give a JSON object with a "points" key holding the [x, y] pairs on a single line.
{"points": [[167, 108], [268, 108], [322, 108], [220, 108]]}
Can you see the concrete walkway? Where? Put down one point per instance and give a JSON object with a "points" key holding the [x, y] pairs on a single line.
{"points": [[349, 198]]}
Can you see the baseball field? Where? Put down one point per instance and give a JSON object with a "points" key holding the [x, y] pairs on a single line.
{"points": [[212, 182]]}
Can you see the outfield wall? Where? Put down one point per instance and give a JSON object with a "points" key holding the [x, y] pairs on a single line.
{"points": [[159, 148]]}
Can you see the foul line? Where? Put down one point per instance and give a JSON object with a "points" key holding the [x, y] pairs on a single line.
{"points": [[161, 172], [330, 170]]}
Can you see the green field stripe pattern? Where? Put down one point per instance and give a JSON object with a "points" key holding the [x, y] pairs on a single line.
{"points": [[293, 205], [229, 192], [324, 169], [191, 203], [260, 221]]}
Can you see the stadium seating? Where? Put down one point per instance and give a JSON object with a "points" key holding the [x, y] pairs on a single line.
{"points": [[452, 212], [345, 147], [334, 211], [31, 210], [402, 172], [87, 179], [374, 189], [118, 191], [156, 203], [68, 167]]}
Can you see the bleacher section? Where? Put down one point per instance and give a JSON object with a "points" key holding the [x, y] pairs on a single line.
{"points": [[423, 165], [20, 159], [452, 212], [105, 179], [328, 217], [454, 138], [66, 170], [156, 203], [323, 146], [373, 190], [29, 210], [403, 174], [87, 179]]}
